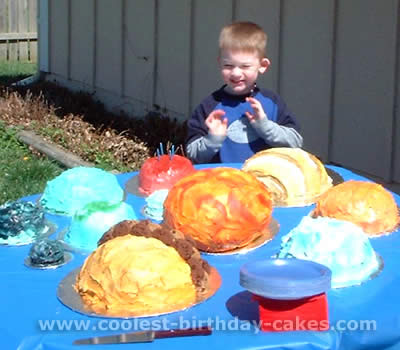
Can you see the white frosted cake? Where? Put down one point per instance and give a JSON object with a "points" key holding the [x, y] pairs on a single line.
{"points": [[340, 245]]}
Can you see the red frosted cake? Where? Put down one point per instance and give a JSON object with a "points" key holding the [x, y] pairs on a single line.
{"points": [[163, 172]]}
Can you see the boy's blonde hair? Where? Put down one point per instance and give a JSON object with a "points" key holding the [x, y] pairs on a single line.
{"points": [[243, 36]]}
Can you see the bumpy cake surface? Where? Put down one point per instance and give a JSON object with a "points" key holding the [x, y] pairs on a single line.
{"points": [[185, 246], [46, 252], [163, 172], [294, 176], [340, 245], [21, 223], [142, 268], [221, 208], [77, 187], [366, 204]]}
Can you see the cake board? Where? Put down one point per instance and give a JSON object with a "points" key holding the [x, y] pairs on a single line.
{"points": [[68, 296], [266, 236]]}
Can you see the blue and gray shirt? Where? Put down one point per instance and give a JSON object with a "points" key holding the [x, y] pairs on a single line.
{"points": [[243, 139]]}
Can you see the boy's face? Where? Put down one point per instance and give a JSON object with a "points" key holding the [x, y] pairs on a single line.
{"points": [[240, 70]]}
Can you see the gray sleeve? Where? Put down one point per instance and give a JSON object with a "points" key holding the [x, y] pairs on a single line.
{"points": [[203, 149], [277, 135]]}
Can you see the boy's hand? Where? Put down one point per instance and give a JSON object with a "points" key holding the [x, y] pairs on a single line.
{"points": [[217, 125], [257, 108]]}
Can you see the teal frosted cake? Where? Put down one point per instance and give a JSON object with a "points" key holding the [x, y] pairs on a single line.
{"points": [[340, 245], [90, 223], [76, 187], [21, 223]]}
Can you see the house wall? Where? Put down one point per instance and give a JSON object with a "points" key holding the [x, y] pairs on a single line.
{"points": [[335, 63]]}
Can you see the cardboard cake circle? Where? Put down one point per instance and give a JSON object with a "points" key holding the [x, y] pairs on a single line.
{"points": [[68, 296], [265, 236]]}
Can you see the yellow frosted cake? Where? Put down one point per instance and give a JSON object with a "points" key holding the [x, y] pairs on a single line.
{"points": [[141, 268], [293, 176]]}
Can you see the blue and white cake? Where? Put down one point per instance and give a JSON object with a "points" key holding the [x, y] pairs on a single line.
{"points": [[90, 223], [154, 208], [340, 245]]}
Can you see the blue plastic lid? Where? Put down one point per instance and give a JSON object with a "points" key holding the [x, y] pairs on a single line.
{"points": [[285, 279]]}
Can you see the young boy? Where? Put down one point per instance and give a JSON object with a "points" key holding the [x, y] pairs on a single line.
{"points": [[240, 119]]}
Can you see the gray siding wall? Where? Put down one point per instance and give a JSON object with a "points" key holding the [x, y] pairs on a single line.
{"points": [[335, 62]]}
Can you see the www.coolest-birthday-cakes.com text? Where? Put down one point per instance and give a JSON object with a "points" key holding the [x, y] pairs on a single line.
{"points": [[217, 324]]}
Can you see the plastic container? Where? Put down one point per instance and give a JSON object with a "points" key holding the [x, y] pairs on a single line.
{"points": [[291, 293]]}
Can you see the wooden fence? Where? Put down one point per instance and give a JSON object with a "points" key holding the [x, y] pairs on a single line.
{"points": [[18, 30]]}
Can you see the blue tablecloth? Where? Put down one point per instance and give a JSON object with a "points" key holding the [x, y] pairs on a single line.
{"points": [[365, 316]]}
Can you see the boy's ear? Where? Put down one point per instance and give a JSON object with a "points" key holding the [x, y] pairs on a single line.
{"points": [[264, 64]]}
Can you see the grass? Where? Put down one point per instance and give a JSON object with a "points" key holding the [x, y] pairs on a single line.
{"points": [[22, 172], [11, 72], [75, 122]]}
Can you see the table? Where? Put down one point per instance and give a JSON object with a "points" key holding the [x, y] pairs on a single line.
{"points": [[30, 302]]}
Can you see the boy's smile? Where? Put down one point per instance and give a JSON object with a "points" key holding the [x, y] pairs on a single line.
{"points": [[240, 70]]}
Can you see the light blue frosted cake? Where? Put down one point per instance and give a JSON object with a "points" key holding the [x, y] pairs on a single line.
{"points": [[154, 208], [90, 223], [76, 187], [340, 245]]}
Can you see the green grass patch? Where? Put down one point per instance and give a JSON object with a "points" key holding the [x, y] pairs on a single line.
{"points": [[12, 71], [22, 173]]}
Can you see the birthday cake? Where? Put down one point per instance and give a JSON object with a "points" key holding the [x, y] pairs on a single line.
{"points": [[142, 268], [154, 208], [340, 245], [77, 187], [222, 209], [21, 223], [46, 252], [366, 204], [294, 176], [163, 172], [90, 223]]}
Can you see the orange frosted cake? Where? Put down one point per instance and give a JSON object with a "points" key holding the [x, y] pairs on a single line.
{"points": [[294, 176], [221, 208], [366, 204], [141, 268]]}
